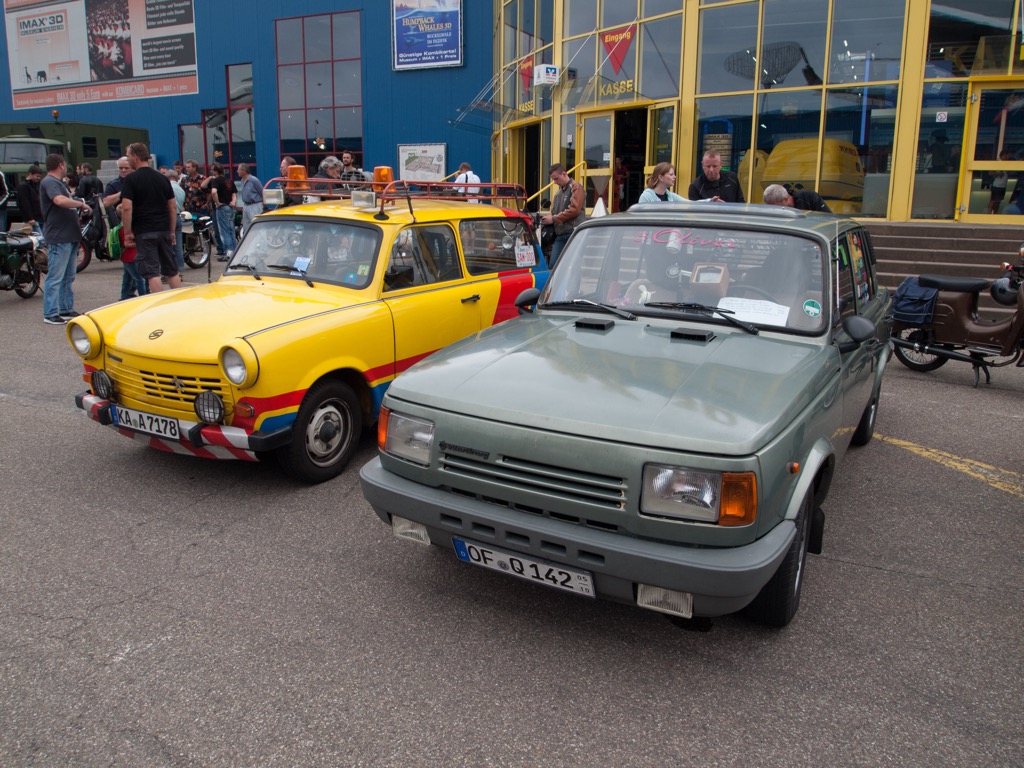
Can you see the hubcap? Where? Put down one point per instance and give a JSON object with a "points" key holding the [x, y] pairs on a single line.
{"points": [[326, 434]]}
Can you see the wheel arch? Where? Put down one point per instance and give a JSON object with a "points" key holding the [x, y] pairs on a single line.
{"points": [[816, 475]]}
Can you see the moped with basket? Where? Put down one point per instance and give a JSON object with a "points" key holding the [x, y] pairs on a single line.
{"points": [[935, 320]]}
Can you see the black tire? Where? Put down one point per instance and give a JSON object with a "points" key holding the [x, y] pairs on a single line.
{"points": [[197, 250], [866, 428], [777, 602], [916, 361], [26, 281], [326, 433], [84, 257]]}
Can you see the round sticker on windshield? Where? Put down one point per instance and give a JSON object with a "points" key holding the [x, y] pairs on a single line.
{"points": [[812, 308]]}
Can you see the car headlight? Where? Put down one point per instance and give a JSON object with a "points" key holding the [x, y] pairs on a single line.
{"points": [[239, 364], [404, 436], [726, 498], [85, 338]]}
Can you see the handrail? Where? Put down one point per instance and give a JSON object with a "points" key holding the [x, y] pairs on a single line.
{"points": [[548, 186]]}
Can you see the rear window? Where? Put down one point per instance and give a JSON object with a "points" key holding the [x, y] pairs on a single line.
{"points": [[496, 245], [771, 279]]}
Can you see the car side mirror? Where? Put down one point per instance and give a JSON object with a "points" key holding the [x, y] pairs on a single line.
{"points": [[859, 329], [525, 300]]}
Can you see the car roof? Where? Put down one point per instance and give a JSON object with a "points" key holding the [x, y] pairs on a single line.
{"points": [[735, 215]]}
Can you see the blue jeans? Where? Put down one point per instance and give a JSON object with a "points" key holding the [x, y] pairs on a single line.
{"points": [[179, 246], [226, 227], [58, 296], [132, 283], [556, 248]]}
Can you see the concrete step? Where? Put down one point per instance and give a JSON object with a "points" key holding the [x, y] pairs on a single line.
{"points": [[951, 268], [1002, 247], [969, 259]]}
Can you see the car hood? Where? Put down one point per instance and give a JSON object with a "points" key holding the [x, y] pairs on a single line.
{"points": [[634, 382], [187, 323]]}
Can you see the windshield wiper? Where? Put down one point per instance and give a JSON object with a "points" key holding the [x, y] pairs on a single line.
{"points": [[286, 268], [587, 302], [695, 307], [245, 265]]}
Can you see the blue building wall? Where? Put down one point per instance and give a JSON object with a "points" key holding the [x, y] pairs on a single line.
{"points": [[405, 107]]}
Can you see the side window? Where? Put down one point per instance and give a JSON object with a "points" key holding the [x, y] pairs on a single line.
{"points": [[421, 256], [496, 245], [845, 291], [863, 274], [439, 245]]}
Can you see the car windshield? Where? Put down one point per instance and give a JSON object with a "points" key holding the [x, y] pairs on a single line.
{"points": [[769, 279], [341, 253]]}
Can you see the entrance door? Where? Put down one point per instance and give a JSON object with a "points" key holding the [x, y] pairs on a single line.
{"points": [[991, 191], [605, 137], [595, 135]]}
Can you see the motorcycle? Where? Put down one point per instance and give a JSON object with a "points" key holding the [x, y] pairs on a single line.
{"points": [[935, 320], [197, 238], [96, 227], [18, 271]]}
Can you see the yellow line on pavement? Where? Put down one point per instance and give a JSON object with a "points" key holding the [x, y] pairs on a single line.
{"points": [[1001, 479]]}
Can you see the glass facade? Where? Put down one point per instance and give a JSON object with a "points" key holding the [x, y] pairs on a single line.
{"points": [[823, 94], [319, 86]]}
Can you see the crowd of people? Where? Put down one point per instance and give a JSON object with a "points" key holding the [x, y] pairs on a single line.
{"points": [[148, 204]]}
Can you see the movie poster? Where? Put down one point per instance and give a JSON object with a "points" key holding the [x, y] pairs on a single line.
{"points": [[426, 33], [81, 51]]}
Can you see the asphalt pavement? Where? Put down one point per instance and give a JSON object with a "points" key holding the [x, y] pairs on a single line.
{"points": [[159, 610]]}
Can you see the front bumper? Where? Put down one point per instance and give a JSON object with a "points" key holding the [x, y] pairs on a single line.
{"points": [[208, 441], [721, 580]]}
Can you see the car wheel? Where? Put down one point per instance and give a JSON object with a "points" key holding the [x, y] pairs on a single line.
{"points": [[84, 257], [325, 435], [26, 280], [917, 361], [777, 602], [866, 428]]}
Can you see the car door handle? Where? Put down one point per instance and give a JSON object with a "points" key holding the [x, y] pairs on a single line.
{"points": [[474, 297]]}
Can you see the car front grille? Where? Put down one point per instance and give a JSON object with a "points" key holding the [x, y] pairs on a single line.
{"points": [[558, 486], [164, 384]]}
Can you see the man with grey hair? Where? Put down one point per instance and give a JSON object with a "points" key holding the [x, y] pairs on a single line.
{"points": [[802, 199], [330, 168], [251, 193]]}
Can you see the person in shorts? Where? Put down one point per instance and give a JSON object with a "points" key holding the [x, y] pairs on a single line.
{"points": [[149, 213]]}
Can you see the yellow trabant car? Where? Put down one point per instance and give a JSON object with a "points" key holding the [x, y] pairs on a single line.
{"points": [[324, 303]]}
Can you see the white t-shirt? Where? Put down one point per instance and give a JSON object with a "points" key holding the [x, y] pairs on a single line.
{"points": [[466, 179]]}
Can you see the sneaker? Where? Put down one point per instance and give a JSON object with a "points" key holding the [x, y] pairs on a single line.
{"points": [[69, 315], [54, 320]]}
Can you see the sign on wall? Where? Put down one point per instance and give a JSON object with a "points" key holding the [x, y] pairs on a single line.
{"points": [[422, 162], [426, 33], [81, 51]]}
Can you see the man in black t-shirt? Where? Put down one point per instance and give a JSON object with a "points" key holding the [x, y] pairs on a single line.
{"points": [[801, 199], [149, 213]]}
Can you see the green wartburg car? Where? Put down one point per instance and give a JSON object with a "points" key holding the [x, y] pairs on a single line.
{"points": [[663, 427]]}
